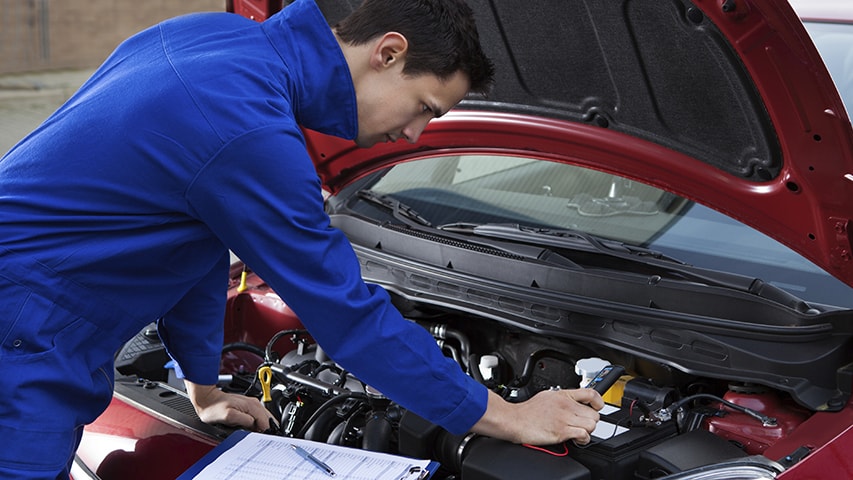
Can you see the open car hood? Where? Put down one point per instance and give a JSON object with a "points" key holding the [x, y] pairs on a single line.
{"points": [[725, 102]]}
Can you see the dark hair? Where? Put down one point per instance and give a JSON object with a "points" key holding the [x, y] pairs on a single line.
{"points": [[442, 36]]}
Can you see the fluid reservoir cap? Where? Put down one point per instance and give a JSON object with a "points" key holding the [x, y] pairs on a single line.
{"points": [[372, 392], [489, 361], [487, 364], [588, 367]]}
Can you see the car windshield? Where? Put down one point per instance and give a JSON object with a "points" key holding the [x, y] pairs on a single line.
{"points": [[480, 189], [834, 42]]}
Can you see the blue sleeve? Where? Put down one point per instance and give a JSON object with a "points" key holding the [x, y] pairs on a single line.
{"points": [[192, 331], [261, 196]]}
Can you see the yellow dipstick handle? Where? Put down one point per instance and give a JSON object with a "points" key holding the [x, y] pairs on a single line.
{"points": [[265, 376], [242, 287]]}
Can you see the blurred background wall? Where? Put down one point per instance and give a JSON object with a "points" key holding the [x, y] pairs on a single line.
{"points": [[40, 35]]}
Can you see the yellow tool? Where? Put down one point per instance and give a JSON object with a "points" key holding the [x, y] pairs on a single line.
{"points": [[265, 376], [243, 275]]}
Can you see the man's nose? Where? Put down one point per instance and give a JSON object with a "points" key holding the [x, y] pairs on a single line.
{"points": [[413, 130]]}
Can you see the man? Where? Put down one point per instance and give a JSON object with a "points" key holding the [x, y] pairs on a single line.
{"points": [[185, 143]]}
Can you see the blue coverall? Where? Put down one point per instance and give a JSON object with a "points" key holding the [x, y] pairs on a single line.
{"points": [[120, 209]]}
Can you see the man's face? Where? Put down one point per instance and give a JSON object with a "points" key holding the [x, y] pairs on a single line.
{"points": [[395, 106]]}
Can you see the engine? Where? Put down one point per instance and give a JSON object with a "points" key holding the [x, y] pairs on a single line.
{"points": [[657, 421]]}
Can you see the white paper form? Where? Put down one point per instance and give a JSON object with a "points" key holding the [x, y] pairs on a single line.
{"points": [[270, 457]]}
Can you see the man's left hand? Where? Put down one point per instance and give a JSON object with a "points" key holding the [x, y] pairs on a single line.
{"points": [[215, 406]]}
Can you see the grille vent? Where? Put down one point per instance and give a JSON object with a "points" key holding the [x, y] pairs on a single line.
{"points": [[453, 243]]}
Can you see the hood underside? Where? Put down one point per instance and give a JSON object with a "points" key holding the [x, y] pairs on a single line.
{"points": [[725, 102]]}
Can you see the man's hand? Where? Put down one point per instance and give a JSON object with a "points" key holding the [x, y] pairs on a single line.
{"points": [[215, 406], [549, 417]]}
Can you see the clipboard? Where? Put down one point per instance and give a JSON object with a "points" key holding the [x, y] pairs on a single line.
{"points": [[247, 455]]}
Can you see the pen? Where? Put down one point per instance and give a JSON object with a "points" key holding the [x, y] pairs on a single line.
{"points": [[311, 458]]}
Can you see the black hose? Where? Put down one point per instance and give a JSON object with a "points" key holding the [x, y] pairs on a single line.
{"points": [[243, 346], [377, 433], [325, 406], [464, 345], [530, 364], [268, 351], [474, 370], [764, 419]]}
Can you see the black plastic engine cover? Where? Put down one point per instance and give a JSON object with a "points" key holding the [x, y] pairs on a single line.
{"points": [[144, 356], [483, 458], [490, 459], [690, 450]]}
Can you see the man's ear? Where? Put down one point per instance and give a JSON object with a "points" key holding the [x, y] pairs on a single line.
{"points": [[389, 51]]}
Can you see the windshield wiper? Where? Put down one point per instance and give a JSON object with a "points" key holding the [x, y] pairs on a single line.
{"points": [[676, 269], [400, 210], [561, 238]]}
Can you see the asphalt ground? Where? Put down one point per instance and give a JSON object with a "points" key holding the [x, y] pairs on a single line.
{"points": [[27, 99]]}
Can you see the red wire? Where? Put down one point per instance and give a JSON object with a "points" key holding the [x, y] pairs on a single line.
{"points": [[549, 452]]}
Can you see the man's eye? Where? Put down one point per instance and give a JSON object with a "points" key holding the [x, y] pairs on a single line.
{"points": [[425, 109]]}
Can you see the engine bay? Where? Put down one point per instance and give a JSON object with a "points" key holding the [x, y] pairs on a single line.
{"points": [[658, 420]]}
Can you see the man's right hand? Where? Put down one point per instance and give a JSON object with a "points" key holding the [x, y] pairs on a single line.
{"points": [[549, 417]]}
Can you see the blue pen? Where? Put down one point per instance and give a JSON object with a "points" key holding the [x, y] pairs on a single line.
{"points": [[311, 458]]}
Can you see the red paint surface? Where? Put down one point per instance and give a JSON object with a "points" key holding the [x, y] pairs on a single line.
{"points": [[125, 443]]}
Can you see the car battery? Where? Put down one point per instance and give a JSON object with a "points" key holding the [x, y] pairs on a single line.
{"points": [[617, 444]]}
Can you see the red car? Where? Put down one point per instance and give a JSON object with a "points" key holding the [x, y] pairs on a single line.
{"points": [[665, 186]]}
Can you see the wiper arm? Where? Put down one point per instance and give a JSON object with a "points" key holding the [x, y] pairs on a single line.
{"points": [[400, 210], [574, 239], [561, 238]]}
